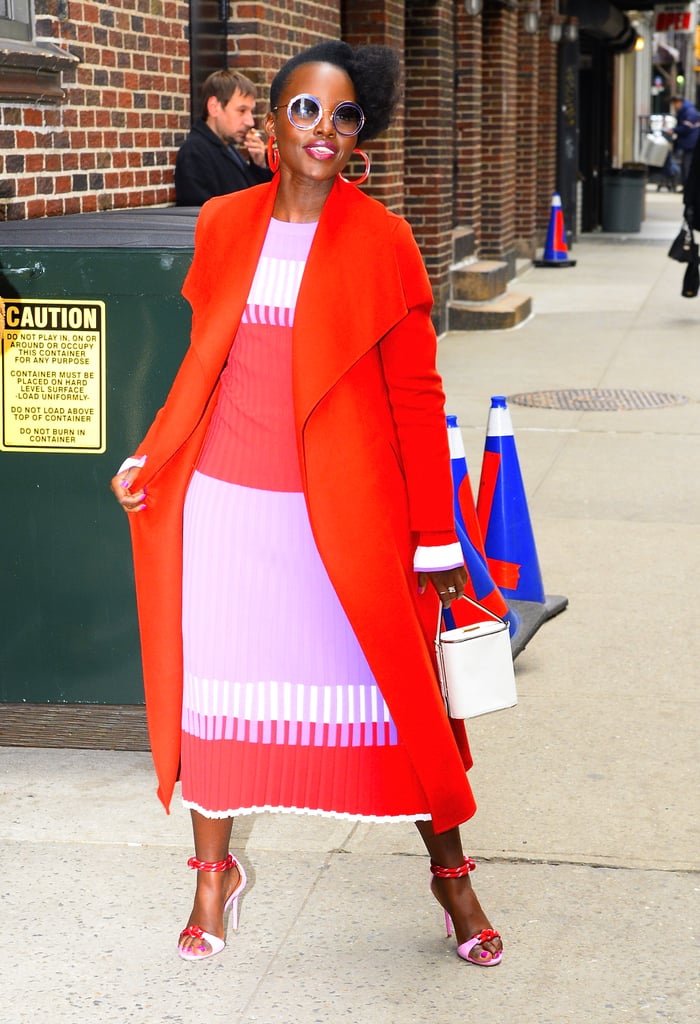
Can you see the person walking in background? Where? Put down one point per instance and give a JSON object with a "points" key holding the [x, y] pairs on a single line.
{"points": [[209, 163], [292, 518], [686, 132]]}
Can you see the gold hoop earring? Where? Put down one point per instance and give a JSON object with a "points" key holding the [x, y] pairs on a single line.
{"points": [[365, 174], [273, 156]]}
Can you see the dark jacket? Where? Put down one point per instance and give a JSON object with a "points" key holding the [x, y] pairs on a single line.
{"points": [[687, 127], [206, 167]]}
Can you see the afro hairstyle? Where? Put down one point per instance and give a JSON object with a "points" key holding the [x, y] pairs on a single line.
{"points": [[373, 70]]}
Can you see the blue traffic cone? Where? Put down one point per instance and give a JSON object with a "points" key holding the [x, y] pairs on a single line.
{"points": [[480, 585], [503, 513], [556, 253], [465, 510]]}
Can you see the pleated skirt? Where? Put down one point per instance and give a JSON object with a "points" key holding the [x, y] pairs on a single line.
{"points": [[281, 711]]}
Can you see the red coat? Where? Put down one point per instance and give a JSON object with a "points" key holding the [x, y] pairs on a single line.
{"points": [[369, 414]]}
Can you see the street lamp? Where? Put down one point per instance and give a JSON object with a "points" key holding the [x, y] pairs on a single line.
{"points": [[473, 7], [571, 30], [556, 23], [554, 30], [531, 18]]}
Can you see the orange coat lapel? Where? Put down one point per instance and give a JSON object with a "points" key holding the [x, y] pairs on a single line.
{"points": [[351, 295]]}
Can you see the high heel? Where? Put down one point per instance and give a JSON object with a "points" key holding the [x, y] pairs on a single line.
{"points": [[485, 935], [215, 943]]}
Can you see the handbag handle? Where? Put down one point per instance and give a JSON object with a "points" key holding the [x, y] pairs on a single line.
{"points": [[476, 604]]}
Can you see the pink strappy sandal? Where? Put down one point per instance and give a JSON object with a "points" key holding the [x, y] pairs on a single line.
{"points": [[215, 943], [486, 959]]}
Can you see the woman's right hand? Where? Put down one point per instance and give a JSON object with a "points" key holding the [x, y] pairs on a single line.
{"points": [[121, 487]]}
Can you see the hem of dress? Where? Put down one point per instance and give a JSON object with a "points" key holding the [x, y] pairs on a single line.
{"points": [[268, 808]]}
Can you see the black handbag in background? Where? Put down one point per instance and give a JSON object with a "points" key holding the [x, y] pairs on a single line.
{"points": [[691, 278], [683, 247]]}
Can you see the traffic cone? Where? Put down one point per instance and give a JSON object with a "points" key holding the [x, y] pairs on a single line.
{"points": [[480, 585], [503, 514], [465, 510], [556, 253]]}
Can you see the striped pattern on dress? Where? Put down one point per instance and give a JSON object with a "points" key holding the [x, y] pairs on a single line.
{"points": [[273, 292], [284, 712]]}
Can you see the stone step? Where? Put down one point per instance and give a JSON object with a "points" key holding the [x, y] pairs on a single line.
{"points": [[478, 280], [506, 311]]}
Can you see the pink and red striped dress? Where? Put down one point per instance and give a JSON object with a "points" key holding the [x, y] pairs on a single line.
{"points": [[281, 711]]}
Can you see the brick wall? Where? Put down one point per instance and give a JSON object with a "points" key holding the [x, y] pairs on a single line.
{"points": [[546, 129], [525, 137], [429, 140], [111, 142], [267, 34], [468, 122], [500, 108], [369, 22]]}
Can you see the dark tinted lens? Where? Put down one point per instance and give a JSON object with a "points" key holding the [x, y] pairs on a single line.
{"points": [[347, 118], [304, 111]]}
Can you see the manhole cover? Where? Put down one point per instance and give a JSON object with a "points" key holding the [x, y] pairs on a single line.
{"points": [[598, 399]]}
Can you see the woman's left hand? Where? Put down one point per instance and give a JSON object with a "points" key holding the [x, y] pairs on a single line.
{"points": [[121, 488], [449, 583]]}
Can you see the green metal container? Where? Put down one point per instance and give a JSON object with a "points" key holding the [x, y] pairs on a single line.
{"points": [[623, 201], [96, 328]]}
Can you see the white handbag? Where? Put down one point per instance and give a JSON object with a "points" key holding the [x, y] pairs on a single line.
{"points": [[475, 666]]}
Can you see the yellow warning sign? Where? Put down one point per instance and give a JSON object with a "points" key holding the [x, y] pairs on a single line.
{"points": [[53, 376]]}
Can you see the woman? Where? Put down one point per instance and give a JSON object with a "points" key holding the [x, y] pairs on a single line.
{"points": [[289, 506]]}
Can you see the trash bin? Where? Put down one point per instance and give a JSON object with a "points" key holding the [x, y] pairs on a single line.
{"points": [[623, 200], [95, 330]]}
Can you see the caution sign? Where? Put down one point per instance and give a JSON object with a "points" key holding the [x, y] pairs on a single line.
{"points": [[53, 376]]}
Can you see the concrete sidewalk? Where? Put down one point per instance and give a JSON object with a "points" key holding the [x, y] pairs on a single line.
{"points": [[586, 835]]}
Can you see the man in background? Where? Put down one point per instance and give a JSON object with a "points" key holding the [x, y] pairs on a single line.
{"points": [[686, 133], [209, 162]]}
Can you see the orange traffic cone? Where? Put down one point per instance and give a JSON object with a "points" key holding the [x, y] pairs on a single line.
{"points": [[556, 253]]}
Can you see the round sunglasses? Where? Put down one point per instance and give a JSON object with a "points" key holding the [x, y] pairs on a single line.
{"points": [[305, 112]]}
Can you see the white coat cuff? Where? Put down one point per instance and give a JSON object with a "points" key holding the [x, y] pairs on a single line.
{"points": [[438, 557], [131, 463]]}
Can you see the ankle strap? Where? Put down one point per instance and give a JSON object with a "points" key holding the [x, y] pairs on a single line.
{"points": [[460, 872], [212, 865]]}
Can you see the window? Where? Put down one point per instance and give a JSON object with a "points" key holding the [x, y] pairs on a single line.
{"points": [[30, 69], [15, 19]]}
